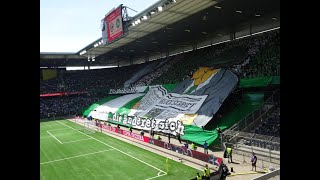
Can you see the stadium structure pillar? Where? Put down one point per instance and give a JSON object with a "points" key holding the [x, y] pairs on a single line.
{"points": [[167, 53], [194, 45], [89, 66], [232, 36]]}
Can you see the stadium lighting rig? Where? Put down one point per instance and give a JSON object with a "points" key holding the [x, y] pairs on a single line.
{"points": [[83, 52], [99, 43], [147, 15]]}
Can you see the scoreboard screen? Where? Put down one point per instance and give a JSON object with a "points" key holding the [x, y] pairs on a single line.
{"points": [[114, 24]]}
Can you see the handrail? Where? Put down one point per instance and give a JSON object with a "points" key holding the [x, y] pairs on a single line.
{"points": [[235, 126]]}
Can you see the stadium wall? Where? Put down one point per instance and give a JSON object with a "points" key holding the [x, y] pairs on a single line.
{"points": [[208, 158]]}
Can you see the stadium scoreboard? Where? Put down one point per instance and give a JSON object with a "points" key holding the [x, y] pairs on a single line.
{"points": [[112, 25]]}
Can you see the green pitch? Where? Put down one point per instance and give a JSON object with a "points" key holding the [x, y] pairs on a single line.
{"points": [[67, 153]]}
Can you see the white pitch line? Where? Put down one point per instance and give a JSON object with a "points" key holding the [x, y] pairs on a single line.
{"points": [[75, 156], [57, 129], [54, 137], [76, 140], [49, 125], [156, 176], [115, 149]]}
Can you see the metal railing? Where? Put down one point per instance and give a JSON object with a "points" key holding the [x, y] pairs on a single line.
{"points": [[252, 119], [252, 139], [243, 143]]}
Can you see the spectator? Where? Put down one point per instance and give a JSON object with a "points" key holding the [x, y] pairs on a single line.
{"points": [[254, 161], [219, 130], [186, 145], [179, 138], [118, 128], [151, 134], [205, 147]]}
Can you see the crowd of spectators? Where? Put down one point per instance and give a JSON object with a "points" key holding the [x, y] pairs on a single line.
{"points": [[266, 61], [248, 57], [74, 81], [147, 79], [270, 126], [65, 105], [93, 81]]}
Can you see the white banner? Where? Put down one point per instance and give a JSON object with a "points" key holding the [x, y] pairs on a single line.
{"points": [[157, 110], [171, 125], [129, 90], [101, 112], [161, 105]]}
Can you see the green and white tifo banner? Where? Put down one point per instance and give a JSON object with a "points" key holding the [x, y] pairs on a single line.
{"points": [[172, 126], [158, 109], [160, 104], [101, 112]]}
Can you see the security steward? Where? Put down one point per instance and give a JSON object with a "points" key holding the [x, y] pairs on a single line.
{"points": [[198, 176], [229, 152], [207, 172]]}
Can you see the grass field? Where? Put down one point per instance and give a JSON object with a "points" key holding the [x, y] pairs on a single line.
{"points": [[67, 153]]}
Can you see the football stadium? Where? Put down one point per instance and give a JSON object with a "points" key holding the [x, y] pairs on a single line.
{"points": [[182, 90]]}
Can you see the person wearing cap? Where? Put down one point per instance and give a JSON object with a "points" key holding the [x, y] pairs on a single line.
{"points": [[207, 172]]}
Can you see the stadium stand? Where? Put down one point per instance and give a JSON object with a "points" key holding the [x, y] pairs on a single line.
{"points": [[91, 80], [205, 86], [243, 56], [237, 55], [270, 126], [248, 57], [147, 79], [65, 105]]}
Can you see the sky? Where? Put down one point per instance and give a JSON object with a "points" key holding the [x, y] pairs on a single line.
{"points": [[70, 25]]}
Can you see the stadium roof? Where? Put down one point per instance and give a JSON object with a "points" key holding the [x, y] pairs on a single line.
{"points": [[60, 55], [170, 13], [184, 25]]}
